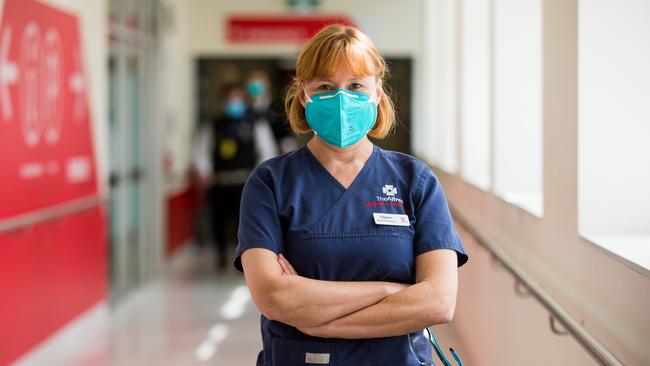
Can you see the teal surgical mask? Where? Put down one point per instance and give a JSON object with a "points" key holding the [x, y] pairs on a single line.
{"points": [[256, 88], [235, 108], [341, 117]]}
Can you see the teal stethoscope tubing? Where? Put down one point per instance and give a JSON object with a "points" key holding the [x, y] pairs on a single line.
{"points": [[441, 355]]}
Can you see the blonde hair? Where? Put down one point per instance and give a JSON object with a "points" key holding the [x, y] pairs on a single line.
{"points": [[331, 47]]}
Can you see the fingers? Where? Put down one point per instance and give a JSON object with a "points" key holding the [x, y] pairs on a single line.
{"points": [[293, 270], [287, 268], [283, 265]]}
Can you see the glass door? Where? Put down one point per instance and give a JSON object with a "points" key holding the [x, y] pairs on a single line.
{"points": [[132, 158]]}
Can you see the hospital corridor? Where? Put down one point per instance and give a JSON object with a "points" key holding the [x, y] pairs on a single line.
{"points": [[324, 182]]}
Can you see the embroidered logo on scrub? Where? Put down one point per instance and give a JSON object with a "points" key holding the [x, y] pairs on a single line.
{"points": [[387, 198], [389, 190]]}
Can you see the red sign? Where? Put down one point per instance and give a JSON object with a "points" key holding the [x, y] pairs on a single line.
{"points": [[272, 28], [46, 150]]}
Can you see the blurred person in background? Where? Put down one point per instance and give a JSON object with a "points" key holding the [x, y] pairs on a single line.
{"points": [[225, 156], [263, 115], [272, 134]]}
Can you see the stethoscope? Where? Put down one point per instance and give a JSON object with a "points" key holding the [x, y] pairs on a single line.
{"points": [[438, 350]]}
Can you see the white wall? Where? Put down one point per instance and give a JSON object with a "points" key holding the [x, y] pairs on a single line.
{"points": [[176, 83], [394, 27]]}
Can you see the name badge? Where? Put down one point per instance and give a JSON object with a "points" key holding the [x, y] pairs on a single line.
{"points": [[391, 219], [317, 358]]}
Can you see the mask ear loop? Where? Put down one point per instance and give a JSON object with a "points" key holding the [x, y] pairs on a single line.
{"points": [[375, 96], [309, 100], [370, 100]]}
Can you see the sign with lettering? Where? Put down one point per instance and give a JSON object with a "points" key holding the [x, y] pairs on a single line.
{"points": [[46, 149], [278, 28]]}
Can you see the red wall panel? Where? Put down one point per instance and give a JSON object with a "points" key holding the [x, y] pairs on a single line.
{"points": [[181, 208], [53, 271], [49, 274]]}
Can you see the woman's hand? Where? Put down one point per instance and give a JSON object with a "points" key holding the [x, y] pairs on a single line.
{"points": [[287, 268], [430, 301]]}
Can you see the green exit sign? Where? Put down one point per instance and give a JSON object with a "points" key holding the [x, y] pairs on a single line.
{"points": [[303, 4]]}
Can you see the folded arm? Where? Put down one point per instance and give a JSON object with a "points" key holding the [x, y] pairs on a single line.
{"points": [[430, 301], [282, 295]]}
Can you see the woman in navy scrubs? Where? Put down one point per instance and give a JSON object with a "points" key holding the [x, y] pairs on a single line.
{"points": [[349, 250]]}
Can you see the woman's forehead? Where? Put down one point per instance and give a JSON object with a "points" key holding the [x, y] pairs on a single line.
{"points": [[344, 72], [342, 77], [347, 66]]}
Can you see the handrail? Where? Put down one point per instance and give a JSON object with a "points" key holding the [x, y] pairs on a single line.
{"points": [[48, 214], [596, 349]]}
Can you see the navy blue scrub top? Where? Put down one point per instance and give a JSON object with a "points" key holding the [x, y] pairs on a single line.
{"points": [[292, 205]]}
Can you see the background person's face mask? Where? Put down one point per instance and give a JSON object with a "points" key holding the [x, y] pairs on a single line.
{"points": [[256, 88], [341, 117], [235, 108]]}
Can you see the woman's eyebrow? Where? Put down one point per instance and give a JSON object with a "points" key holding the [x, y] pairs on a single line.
{"points": [[355, 78]]}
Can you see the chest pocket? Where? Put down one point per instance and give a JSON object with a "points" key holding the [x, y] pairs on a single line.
{"points": [[384, 254], [343, 243]]}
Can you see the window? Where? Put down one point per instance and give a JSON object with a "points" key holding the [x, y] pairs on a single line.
{"points": [[475, 83], [518, 103], [614, 126], [435, 139]]}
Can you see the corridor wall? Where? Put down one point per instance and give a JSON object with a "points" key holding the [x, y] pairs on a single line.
{"points": [[604, 291], [53, 271]]}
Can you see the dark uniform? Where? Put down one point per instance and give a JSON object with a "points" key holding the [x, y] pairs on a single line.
{"points": [[233, 159], [373, 230]]}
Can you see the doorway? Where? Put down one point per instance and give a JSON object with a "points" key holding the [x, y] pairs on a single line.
{"points": [[214, 72], [133, 248]]}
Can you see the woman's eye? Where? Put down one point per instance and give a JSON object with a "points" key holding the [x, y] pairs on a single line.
{"points": [[356, 86], [324, 87]]}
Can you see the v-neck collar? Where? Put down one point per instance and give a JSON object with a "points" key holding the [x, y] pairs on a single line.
{"points": [[366, 166]]}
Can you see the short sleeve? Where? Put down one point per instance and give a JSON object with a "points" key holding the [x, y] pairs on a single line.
{"points": [[434, 227], [259, 221]]}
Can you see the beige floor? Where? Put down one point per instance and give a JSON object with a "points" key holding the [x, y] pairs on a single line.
{"points": [[192, 316]]}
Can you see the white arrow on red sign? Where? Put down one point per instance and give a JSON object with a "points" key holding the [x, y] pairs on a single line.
{"points": [[77, 86], [8, 74]]}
